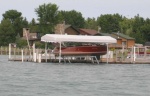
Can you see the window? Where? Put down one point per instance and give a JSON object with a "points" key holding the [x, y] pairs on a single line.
{"points": [[124, 43]]}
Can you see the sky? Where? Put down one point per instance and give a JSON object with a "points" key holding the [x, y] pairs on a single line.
{"points": [[88, 8]]}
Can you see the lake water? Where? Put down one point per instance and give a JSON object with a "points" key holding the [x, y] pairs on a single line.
{"points": [[51, 79]]}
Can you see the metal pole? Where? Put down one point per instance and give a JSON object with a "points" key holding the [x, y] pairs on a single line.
{"points": [[46, 52], [59, 52], [34, 52]]}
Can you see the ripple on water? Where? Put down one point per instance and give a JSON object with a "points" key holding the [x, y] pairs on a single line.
{"points": [[48, 79]]}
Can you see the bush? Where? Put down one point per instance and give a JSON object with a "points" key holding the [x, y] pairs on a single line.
{"points": [[21, 43]]}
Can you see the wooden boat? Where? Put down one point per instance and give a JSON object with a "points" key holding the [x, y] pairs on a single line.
{"points": [[93, 50]]}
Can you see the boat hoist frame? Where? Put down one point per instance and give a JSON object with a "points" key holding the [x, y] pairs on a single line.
{"points": [[76, 38]]}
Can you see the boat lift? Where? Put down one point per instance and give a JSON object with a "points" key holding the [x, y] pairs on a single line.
{"points": [[77, 38], [91, 57]]}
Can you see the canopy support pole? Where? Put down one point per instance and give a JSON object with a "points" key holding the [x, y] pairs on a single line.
{"points": [[107, 52], [59, 52]]}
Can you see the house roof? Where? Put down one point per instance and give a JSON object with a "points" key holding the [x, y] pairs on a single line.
{"points": [[104, 34], [107, 34], [122, 35], [67, 26], [89, 31], [116, 35], [60, 28]]}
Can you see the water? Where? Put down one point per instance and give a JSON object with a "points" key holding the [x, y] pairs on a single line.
{"points": [[48, 79]]}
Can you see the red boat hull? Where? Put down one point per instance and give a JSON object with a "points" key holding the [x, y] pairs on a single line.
{"points": [[82, 50]]}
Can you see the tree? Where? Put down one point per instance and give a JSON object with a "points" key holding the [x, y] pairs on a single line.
{"points": [[12, 15], [109, 23], [33, 26], [47, 17], [7, 34], [91, 23], [25, 23], [137, 23], [141, 29], [145, 32], [73, 18], [147, 29], [16, 20], [126, 26]]}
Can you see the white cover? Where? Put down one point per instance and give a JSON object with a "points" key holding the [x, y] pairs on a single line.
{"points": [[77, 38]]}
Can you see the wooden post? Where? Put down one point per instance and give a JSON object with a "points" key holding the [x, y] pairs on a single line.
{"points": [[1, 50], [34, 54], [37, 52], [116, 55], [15, 53], [134, 56], [24, 54], [39, 59], [107, 52], [9, 51], [145, 52]]}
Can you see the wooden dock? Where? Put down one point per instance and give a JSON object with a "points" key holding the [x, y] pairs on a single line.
{"points": [[102, 61]]}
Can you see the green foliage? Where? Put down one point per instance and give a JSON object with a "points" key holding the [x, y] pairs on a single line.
{"points": [[21, 43], [91, 23], [73, 18], [109, 23], [7, 34], [141, 29], [12, 15], [33, 26], [47, 17], [137, 23], [126, 26], [145, 32], [39, 44], [16, 20]]}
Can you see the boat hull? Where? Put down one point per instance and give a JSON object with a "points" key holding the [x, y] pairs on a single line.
{"points": [[82, 50]]}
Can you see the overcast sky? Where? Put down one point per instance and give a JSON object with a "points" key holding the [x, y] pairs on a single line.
{"points": [[88, 8]]}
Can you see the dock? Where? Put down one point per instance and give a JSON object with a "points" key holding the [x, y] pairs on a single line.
{"points": [[45, 56], [82, 59]]}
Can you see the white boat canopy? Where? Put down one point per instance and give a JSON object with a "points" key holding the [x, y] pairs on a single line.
{"points": [[77, 38]]}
